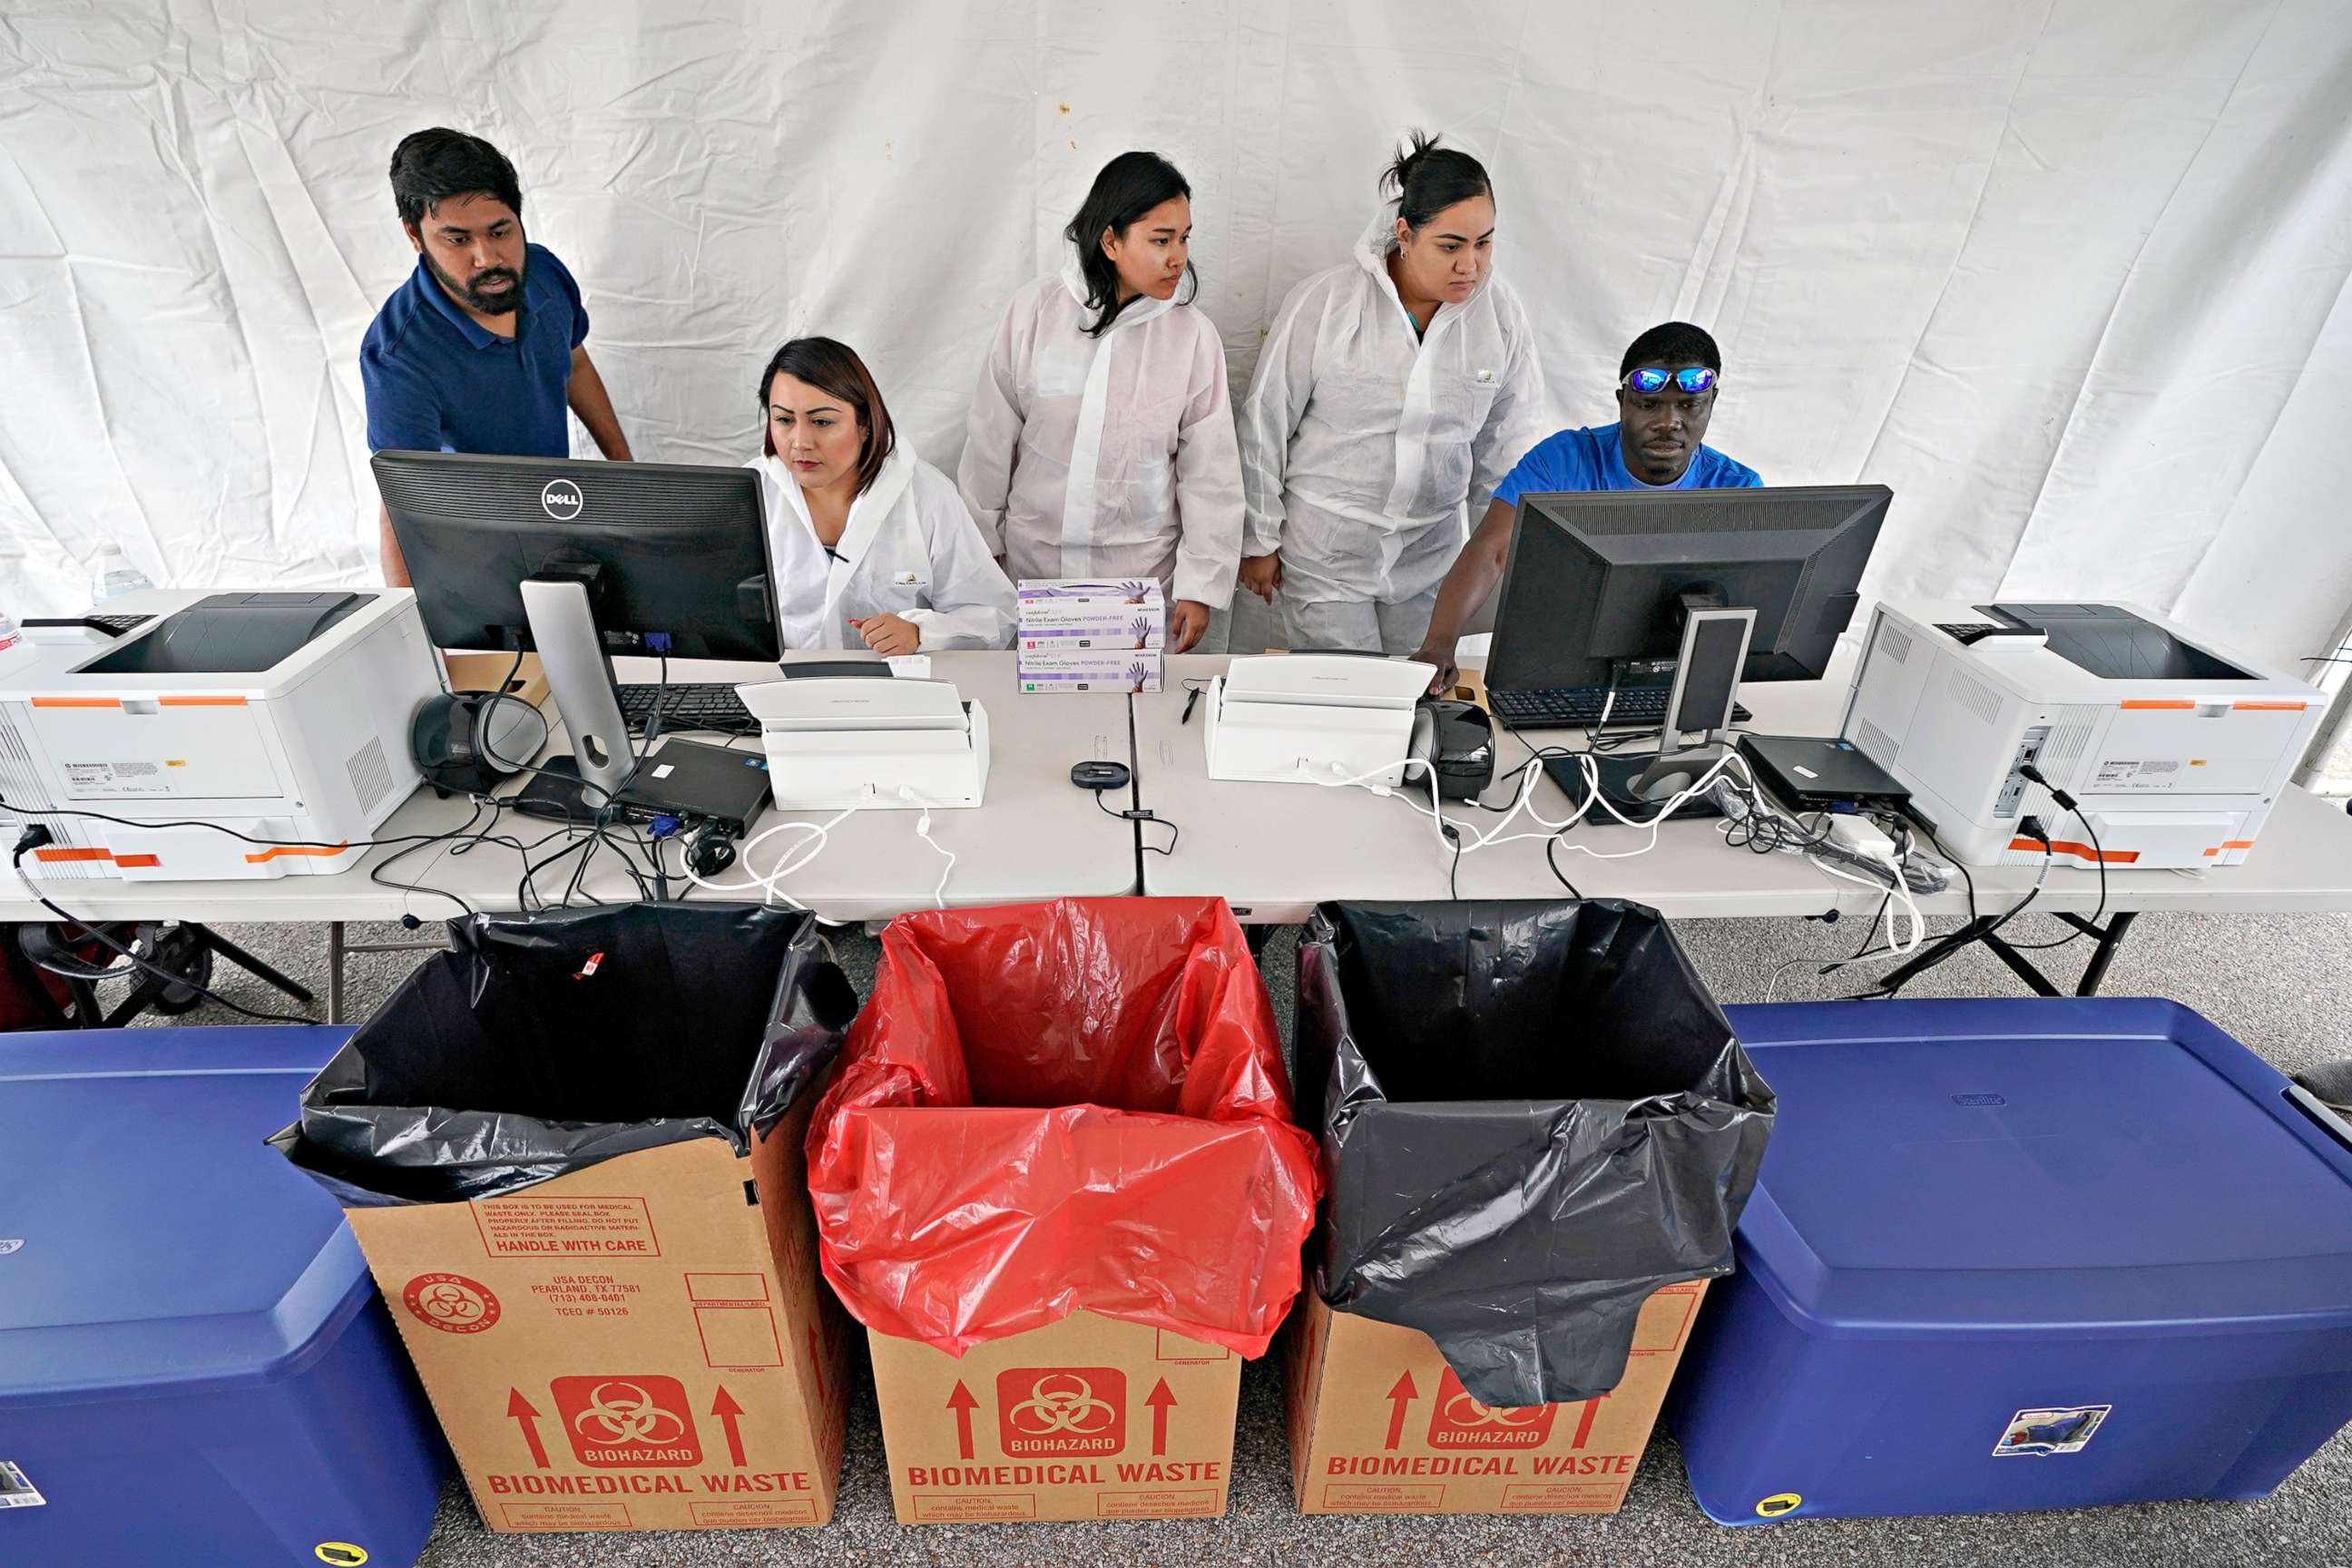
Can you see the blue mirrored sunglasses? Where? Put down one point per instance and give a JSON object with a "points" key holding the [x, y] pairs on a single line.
{"points": [[1692, 378]]}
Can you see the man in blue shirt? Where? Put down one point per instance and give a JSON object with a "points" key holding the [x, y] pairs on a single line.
{"points": [[484, 347], [1666, 385]]}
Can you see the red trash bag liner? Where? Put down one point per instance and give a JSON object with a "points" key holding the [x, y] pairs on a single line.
{"points": [[1075, 1106]]}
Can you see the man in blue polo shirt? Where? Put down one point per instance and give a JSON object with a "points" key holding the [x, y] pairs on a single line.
{"points": [[484, 347], [1666, 387]]}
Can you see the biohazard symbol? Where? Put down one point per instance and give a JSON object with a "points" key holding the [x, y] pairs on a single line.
{"points": [[623, 1413], [638, 1419], [1063, 1401], [1061, 1410], [451, 1302], [1464, 1411], [1458, 1420]]}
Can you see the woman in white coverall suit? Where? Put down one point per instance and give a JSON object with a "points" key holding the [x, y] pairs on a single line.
{"points": [[1101, 437], [871, 546], [1391, 391]]}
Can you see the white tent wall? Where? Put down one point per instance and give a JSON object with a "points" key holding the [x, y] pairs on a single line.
{"points": [[2066, 274]]}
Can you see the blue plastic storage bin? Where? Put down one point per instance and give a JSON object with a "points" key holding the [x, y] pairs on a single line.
{"points": [[196, 1370], [2011, 1255]]}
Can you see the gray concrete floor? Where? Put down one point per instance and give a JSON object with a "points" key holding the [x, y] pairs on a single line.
{"points": [[2280, 985]]}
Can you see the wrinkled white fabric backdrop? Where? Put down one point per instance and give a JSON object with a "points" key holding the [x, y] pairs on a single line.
{"points": [[2068, 275]]}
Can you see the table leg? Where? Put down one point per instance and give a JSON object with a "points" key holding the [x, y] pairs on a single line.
{"points": [[2118, 925], [206, 937], [1902, 973], [334, 972]]}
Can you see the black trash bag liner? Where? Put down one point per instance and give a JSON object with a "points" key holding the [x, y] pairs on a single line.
{"points": [[1533, 1115], [542, 1044]]}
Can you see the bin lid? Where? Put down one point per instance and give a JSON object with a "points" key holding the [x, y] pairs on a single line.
{"points": [[153, 1239], [2036, 1166]]}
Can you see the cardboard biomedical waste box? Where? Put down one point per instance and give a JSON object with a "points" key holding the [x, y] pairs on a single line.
{"points": [[627, 1348], [1057, 1178], [640, 1343], [1090, 1418], [1539, 1132], [1379, 1423]]}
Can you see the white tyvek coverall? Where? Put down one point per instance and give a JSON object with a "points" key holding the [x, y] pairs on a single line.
{"points": [[910, 550], [1110, 457], [1361, 443]]}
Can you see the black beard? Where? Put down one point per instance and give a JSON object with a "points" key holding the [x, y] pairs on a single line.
{"points": [[468, 295]]}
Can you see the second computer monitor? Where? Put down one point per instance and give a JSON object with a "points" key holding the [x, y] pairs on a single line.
{"points": [[1595, 588]]}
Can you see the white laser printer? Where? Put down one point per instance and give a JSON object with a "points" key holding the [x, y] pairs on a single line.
{"points": [[893, 743], [2173, 749], [1308, 718], [283, 716]]}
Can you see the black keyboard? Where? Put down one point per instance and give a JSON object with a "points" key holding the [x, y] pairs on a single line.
{"points": [[112, 626], [1579, 708], [687, 708]]}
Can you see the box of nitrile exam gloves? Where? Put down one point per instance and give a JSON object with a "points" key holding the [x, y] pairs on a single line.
{"points": [[1063, 602], [1379, 1423], [1090, 671], [1145, 630]]}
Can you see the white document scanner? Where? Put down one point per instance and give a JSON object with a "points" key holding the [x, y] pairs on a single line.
{"points": [[1309, 718], [839, 742], [283, 716]]}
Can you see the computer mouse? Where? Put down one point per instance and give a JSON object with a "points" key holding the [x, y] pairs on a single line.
{"points": [[1099, 775]]}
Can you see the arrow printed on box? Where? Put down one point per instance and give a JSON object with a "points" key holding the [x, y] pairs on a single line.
{"points": [[1160, 1401], [1584, 1421], [963, 1404], [730, 1414], [527, 1418], [1403, 1395]]}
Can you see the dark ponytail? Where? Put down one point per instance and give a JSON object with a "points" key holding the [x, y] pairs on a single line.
{"points": [[1429, 178], [1129, 185]]}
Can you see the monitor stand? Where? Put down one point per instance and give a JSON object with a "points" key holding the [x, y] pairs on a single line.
{"points": [[1714, 645], [580, 678]]}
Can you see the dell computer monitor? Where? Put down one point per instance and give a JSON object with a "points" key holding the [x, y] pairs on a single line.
{"points": [[579, 560], [665, 551], [1597, 586]]}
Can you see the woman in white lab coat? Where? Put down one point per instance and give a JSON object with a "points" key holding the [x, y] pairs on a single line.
{"points": [[871, 546], [1101, 437], [1392, 390]]}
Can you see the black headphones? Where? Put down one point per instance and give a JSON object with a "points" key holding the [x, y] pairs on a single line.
{"points": [[466, 742]]}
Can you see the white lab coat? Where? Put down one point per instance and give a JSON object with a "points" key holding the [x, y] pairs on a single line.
{"points": [[1109, 456], [910, 550], [1362, 445]]}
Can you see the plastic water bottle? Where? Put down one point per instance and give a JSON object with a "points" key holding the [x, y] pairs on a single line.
{"points": [[115, 575], [9, 636]]}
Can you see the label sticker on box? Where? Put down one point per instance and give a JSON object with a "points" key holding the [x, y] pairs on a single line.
{"points": [[2058, 1429], [15, 1491]]}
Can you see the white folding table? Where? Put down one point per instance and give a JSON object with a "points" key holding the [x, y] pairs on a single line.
{"points": [[1276, 850], [1035, 836]]}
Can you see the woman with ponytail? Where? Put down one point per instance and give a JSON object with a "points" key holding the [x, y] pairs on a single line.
{"points": [[1394, 391]]}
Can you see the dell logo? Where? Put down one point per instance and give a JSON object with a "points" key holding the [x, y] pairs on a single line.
{"points": [[561, 500]]}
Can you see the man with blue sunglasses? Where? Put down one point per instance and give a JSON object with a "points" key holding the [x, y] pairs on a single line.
{"points": [[1666, 387]]}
